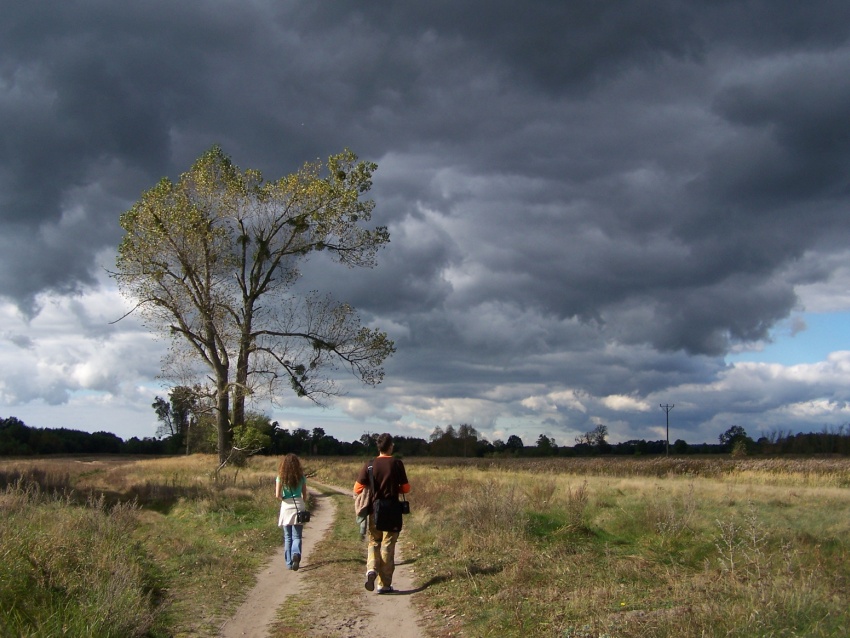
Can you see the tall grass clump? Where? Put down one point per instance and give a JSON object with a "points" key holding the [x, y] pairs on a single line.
{"points": [[42, 479], [70, 571]]}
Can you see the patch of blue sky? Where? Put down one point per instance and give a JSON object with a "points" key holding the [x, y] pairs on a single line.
{"points": [[802, 338]]}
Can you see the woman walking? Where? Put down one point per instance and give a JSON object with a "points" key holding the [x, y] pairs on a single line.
{"points": [[291, 487]]}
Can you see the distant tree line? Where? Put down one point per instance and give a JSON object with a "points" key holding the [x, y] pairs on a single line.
{"points": [[181, 434], [18, 439]]}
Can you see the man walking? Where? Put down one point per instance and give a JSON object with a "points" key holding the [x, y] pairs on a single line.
{"points": [[390, 480]]}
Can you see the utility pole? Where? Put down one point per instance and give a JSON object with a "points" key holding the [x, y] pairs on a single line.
{"points": [[667, 409]]}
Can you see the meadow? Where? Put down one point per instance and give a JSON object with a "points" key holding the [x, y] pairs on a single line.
{"points": [[508, 547], [612, 547], [113, 547]]}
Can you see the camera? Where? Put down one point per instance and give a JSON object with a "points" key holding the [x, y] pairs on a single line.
{"points": [[302, 517], [405, 507]]}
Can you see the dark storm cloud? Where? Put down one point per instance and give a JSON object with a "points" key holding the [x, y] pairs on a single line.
{"points": [[584, 192], [799, 107]]}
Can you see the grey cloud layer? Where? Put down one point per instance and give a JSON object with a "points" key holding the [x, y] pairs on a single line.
{"points": [[581, 195]]}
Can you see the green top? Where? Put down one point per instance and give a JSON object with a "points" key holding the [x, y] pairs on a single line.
{"points": [[288, 492]]}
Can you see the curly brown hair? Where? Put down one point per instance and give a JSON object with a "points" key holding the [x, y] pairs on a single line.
{"points": [[289, 470]]}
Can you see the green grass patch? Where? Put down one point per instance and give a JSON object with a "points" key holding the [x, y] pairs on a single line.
{"points": [[546, 525]]}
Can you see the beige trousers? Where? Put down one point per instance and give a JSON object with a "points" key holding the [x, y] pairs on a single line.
{"points": [[380, 557]]}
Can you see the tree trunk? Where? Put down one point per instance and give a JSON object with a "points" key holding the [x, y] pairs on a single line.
{"points": [[240, 388], [223, 419]]}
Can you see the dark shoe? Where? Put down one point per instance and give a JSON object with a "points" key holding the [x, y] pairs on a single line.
{"points": [[296, 561], [370, 581], [386, 590]]}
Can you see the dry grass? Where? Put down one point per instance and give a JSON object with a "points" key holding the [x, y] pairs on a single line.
{"points": [[181, 546], [631, 548], [68, 570], [545, 547]]}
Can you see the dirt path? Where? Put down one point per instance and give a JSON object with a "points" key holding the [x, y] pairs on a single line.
{"points": [[388, 616]]}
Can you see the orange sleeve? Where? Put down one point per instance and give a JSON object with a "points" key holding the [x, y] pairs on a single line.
{"points": [[405, 489], [358, 487]]}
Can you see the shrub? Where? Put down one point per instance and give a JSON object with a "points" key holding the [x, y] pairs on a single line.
{"points": [[739, 448], [68, 570]]}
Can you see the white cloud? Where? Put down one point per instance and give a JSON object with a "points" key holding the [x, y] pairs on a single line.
{"points": [[357, 408], [620, 403], [73, 357], [816, 409], [553, 401]]}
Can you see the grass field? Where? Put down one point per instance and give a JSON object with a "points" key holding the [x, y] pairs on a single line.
{"points": [[559, 547], [632, 547], [123, 548]]}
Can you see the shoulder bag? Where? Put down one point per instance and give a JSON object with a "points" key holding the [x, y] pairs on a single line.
{"points": [[387, 511], [301, 516], [363, 501]]}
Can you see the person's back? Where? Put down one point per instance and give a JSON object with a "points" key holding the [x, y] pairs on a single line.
{"points": [[389, 474], [291, 490]]}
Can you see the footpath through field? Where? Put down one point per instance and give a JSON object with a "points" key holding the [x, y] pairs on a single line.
{"points": [[388, 615]]}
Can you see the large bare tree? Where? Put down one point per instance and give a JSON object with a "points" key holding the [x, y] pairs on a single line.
{"points": [[212, 259]]}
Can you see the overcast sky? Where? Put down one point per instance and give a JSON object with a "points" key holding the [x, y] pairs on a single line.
{"points": [[595, 207]]}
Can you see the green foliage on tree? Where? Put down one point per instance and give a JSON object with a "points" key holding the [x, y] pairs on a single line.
{"points": [[546, 446], [739, 448], [736, 441], [211, 260], [176, 417], [460, 441], [250, 438], [467, 437], [596, 439], [514, 445]]}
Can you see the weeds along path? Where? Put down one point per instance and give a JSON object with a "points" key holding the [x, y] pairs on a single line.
{"points": [[381, 616]]}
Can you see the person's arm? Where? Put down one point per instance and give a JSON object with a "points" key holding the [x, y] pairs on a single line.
{"points": [[401, 473], [277, 488], [304, 491], [362, 479]]}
